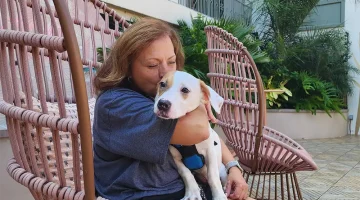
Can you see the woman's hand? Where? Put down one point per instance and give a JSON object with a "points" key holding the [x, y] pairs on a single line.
{"points": [[236, 186]]}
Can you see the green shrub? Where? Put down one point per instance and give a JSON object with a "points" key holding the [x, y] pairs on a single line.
{"points": [[317, 69], [315, 94], [314, 63], [194, 42]]}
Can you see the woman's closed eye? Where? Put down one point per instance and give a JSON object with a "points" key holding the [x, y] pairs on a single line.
{"points": [[153, 65]]}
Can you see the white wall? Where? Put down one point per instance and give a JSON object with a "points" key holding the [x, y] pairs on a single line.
{"points": [[352, 25], [303, 125], [166, 10]]}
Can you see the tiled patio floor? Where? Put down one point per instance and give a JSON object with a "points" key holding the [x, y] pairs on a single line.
{"points": [[338, 176]]}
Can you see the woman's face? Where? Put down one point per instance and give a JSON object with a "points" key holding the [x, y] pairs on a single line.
{"points": [[152, 64]]}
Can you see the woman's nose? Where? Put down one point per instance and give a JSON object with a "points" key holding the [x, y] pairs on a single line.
{"points": [[163, 69]]}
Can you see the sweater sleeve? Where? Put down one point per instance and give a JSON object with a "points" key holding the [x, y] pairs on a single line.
{"points": [[125, 124]]}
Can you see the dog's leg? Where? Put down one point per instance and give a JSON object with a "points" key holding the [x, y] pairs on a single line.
{"points": [[192, 190], [214, 175]]}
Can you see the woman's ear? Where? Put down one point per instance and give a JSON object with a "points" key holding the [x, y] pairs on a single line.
{"points": [[209, 94]]}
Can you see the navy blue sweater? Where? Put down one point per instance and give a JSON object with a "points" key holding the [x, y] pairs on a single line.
{"points": [[131, 156]]}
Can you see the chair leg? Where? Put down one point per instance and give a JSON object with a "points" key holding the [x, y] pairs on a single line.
{"points": [[273, 186]]}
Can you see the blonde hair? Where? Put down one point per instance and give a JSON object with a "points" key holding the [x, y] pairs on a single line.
{"points": [[138, 36]]}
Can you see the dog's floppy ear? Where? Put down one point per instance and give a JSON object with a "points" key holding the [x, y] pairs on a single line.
{"points": [[209, 94]]}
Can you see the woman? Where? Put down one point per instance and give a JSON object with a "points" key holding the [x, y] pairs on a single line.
{"points": [[131, 156]]}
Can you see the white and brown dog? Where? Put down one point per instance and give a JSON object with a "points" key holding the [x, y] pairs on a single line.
{"points": [[178, 94]]}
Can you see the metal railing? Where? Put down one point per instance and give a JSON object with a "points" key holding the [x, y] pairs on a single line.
{"points": [[236, 9]]}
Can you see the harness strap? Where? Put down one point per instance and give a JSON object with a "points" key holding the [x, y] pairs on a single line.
{"points": [[191, 157]]}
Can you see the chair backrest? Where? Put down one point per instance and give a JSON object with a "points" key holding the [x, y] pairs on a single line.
{"points": [[48, 55], [233, 75]]}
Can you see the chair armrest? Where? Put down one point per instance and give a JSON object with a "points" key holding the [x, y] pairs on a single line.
{"points": [[281, 137], [280, 152]]}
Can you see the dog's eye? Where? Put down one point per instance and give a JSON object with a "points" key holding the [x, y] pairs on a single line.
{"points": [[185, 90], [162, 84]]}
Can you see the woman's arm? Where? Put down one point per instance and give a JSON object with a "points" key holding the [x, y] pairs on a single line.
{"points": [[226, 153], [192, 128], [236, 187]]}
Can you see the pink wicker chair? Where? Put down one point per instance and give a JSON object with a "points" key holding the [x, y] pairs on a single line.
{"points": [[269, 158], [42, 77]]}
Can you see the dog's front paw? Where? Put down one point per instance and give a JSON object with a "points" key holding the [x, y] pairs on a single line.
{"points": [[192, 194], [219, 196]]}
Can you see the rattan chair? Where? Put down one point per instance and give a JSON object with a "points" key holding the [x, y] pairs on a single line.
{"points": [[45, 47], [269, 158]]}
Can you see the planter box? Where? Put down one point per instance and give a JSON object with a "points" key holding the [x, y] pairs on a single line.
{"points": [[304, 125]]}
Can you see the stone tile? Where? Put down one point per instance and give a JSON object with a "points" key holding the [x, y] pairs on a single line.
{"points": [[348, 163], [314, 150], [310, 144], [303, 175], [357, 147], [335, 197], [337, 166], [338, 176], [322, 163], [331, 172], [348, 158], [341, 193], [357, 165], [327, 156], [320, 179], [354, 172], [349, 181], [354, 153], [313, 191], [324, 148], [338, 151], [350, 146]]}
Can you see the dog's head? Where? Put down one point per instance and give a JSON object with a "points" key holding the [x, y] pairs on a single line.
{"points": [[179, 93]]}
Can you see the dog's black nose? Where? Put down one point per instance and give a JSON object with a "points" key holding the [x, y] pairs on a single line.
{"points": [[164, 105]]}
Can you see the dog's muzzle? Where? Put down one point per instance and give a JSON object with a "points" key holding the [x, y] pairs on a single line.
{"points": [[164, 105], [163, 108]]}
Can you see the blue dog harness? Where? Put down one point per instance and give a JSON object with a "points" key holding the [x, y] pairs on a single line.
{"points": [[191, 157]]}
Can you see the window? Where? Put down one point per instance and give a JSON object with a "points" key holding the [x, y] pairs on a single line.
{"points": [[328, 13], [237, 9]]}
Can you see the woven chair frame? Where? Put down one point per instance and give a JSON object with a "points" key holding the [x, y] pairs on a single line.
{"points": [[263, 152], [45, 47]]}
